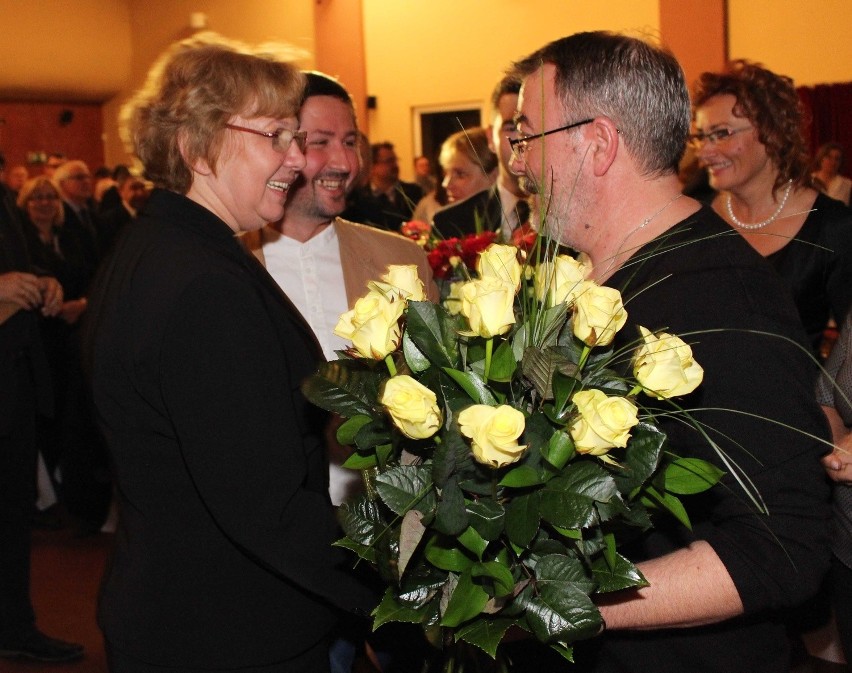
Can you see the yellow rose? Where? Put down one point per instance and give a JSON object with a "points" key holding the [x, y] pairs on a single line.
{"points": [[598, 314], [494, 433], [560, 280], [664, 366], [604, 422], [488, 305], [402, 278], [500, 261], [412, 406], [373, 324], [453, 301]]}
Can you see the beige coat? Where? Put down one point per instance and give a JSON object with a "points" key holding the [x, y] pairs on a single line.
{"points": [[365, 253]]}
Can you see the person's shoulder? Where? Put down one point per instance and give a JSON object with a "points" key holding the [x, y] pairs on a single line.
{"points": [[377, 240], [457, 212]]}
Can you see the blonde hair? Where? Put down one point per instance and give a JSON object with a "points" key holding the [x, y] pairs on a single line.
{"points": [[33, 184], [192, 91], [473, 144]]}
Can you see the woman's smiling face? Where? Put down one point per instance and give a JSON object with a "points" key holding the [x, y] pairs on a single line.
{"points": [[732, 161]]}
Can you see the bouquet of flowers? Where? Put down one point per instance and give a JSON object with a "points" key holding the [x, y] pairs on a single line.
{"points": [[506, 454]]}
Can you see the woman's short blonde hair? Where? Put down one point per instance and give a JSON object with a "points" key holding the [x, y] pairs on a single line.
{"points": [[33, 184], [472, 143], [192, 91]]}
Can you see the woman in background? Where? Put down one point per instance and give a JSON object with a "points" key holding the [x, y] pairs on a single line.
{"points": [[748, 136], [223, 554], [827, 165]]}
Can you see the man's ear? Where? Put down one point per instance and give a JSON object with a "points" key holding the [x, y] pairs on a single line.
{"points": [[489, 130], [605, 144]]}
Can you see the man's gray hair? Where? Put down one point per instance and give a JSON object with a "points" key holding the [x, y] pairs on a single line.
{"points": [[639, 86]]}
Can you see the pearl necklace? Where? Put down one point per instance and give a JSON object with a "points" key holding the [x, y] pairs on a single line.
{"points": [[767, 221]]}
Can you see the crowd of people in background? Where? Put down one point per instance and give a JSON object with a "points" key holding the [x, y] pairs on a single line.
{"points": [[749, 166]]}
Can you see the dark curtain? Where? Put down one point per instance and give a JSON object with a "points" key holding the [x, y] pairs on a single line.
{"points": [[829, 107]]}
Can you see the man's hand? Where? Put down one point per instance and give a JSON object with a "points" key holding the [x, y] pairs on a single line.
{"points": [[52, 295], [838, 463], [23, 289], [72, 310]]}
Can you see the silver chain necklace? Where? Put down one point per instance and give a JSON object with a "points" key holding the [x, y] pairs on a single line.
{"points": [[767, 221]]}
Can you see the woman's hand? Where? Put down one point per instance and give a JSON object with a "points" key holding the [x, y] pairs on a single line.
{"points": [[23, 289]]}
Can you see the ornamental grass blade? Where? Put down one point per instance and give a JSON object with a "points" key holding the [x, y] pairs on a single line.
{"points": [[485, 634], [410, 534]]}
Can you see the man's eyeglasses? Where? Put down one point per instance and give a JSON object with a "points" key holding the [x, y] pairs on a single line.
{"points": [[519, 144], [713, 137], [280, 139], [43, 197]]}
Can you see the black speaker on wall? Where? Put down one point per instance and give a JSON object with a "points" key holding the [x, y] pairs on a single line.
{"points": [[66, 117]]}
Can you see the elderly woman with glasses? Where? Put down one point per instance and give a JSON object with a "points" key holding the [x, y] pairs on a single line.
{"points": [[223, 554], [748, 136]]}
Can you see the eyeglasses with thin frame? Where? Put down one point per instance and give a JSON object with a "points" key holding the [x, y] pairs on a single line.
{"points": [[280, 139], [43, 197], [713, 137], [519, 144]]}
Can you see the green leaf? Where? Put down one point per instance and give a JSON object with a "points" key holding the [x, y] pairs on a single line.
{"points": [[569, 500], [466, 601], [523, 476], [361, 461], [622, 575], [559, 450], [372, 434], [473, 541], [503, 364], [450, 456], [345, 387], [415, 360], [361, 519], [504, 583], [485, 633], [451, 517], [687, 476], [473, 384], [405, 487], [562, 612], [563, 390], [444, 553], [670, 503], [347, 430], [486, 517], [556, 568], [641, 457], [391, 610], [522, 518], [431, 329], [367, 553]]}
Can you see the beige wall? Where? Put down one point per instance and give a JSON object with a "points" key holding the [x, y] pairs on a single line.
{"points": [[77, 51], [808, 41], [417, 52], [423, 53], [155, 24]]}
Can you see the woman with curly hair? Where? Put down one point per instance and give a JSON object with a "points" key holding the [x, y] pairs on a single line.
{"points": [[748, 134]]}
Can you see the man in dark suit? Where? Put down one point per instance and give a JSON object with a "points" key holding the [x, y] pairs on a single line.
{"points": [[387, 201], [132, 194], [24, 390], [504, 207]]}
